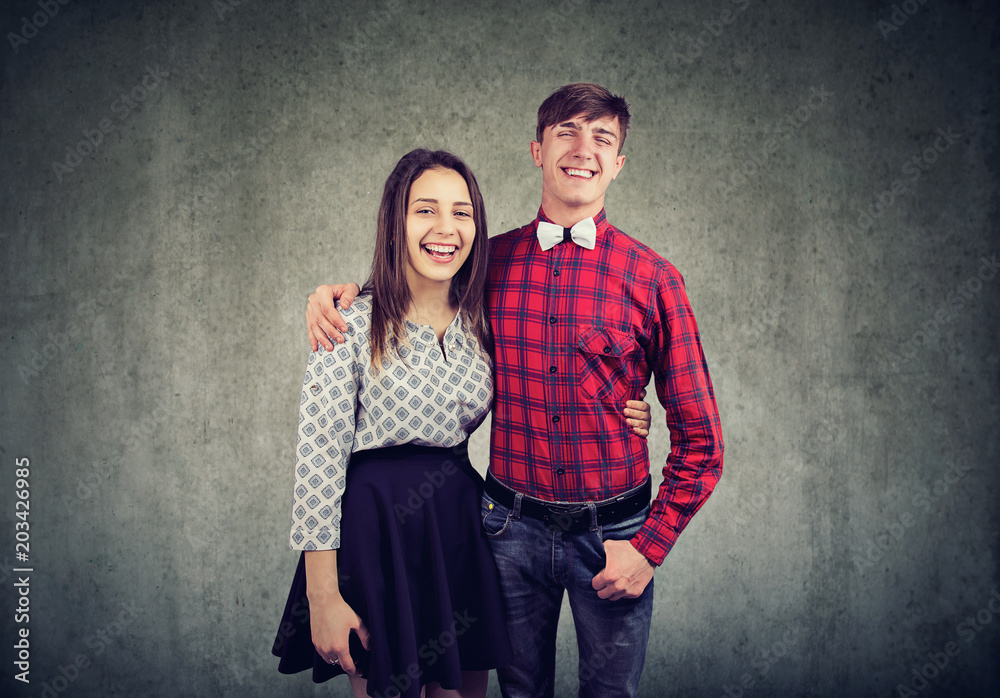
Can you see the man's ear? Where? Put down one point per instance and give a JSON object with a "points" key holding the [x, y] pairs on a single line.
{"points": [[536, 153], [619, 163]]}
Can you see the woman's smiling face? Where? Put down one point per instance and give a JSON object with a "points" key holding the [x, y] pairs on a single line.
{"points": [[440, 229]]}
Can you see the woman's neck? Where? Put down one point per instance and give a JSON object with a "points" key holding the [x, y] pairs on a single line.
{"points": [[430, 305]]}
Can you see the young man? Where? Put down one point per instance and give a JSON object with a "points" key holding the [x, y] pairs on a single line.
{"points": [[583, 315]]}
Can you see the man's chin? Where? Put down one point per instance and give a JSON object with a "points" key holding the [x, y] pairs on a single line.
{"points": [[578, 202]]}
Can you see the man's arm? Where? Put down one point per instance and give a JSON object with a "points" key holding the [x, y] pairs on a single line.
{"points": [[694, 466], [322, 318], [684, 388]]}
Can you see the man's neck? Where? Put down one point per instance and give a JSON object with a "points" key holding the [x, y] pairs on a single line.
{"points": [[568, 216]]}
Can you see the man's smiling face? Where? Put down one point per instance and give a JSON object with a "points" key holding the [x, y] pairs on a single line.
{"points": [[578, 160]]}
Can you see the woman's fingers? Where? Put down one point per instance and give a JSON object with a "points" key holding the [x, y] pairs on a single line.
{"points": [[364, 635], [347, 662]]}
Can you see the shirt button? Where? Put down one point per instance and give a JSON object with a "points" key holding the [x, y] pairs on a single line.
{"points": [[453, 348], [555, 272], [552, 319], [555, 420], [560, 471], [552, 369], [607, 350]]}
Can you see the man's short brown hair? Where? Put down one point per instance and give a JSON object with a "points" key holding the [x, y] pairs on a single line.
{"points": [[593, 101]]}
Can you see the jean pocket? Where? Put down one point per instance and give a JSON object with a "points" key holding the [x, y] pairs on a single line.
{"points": [[602, 354], [495, 517]]}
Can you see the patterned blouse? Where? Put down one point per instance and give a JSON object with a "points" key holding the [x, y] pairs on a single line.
{"points": [[422, 396]]}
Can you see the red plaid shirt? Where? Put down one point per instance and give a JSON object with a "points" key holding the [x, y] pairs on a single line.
{"points": [[578, 332]]}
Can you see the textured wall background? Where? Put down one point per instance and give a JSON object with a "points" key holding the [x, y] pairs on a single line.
{"points": [[788, 157]]}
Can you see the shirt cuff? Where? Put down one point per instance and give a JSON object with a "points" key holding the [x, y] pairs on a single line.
{"points": [[654, 540], [320, 538]]}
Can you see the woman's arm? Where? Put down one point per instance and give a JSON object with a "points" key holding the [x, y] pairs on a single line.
{"points": [[325, 443], [323, 451], [332, 620]]}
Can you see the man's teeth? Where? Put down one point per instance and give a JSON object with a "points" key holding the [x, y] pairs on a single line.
{"points": [[586, 174]]}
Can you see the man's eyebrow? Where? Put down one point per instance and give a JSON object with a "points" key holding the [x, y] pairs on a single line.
{"points": [[575, 125]]}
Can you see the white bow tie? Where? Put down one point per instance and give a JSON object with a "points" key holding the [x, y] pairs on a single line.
{"points": [[583, 234]]}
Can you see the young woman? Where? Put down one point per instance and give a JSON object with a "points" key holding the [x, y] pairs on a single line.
{"points": [[396, 585]]}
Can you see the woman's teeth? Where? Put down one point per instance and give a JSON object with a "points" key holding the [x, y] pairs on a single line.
{"points": [[440, 251]]}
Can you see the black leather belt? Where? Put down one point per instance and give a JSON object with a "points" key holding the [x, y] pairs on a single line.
{"points": [[574, 517]]}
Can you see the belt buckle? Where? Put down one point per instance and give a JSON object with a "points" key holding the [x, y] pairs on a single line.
{"points": [[563, 517]]}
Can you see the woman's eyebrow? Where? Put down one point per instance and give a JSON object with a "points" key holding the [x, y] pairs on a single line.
{"points": [[435, 201]]}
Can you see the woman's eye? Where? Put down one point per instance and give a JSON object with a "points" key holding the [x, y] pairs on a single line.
{"points": [[464, 214]]}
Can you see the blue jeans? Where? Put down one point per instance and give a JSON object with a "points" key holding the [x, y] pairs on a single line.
{"points": [[536, 564]]}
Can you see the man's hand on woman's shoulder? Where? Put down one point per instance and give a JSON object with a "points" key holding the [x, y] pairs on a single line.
{"points": [[322, 317]]}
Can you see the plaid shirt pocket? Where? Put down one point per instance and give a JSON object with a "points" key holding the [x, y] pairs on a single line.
{"points": [[603, 361]]}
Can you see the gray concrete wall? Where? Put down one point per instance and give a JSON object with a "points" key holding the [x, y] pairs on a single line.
{"points": [[787, 157]]}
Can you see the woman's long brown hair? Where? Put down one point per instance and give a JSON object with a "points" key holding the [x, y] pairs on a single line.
{"points": [[386, 284]]}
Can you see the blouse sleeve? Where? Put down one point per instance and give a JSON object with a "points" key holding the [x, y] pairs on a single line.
{"points": [[324, 445]]}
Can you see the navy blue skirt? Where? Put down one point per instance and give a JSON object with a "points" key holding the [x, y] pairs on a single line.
{"points": [[415, 565]]}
